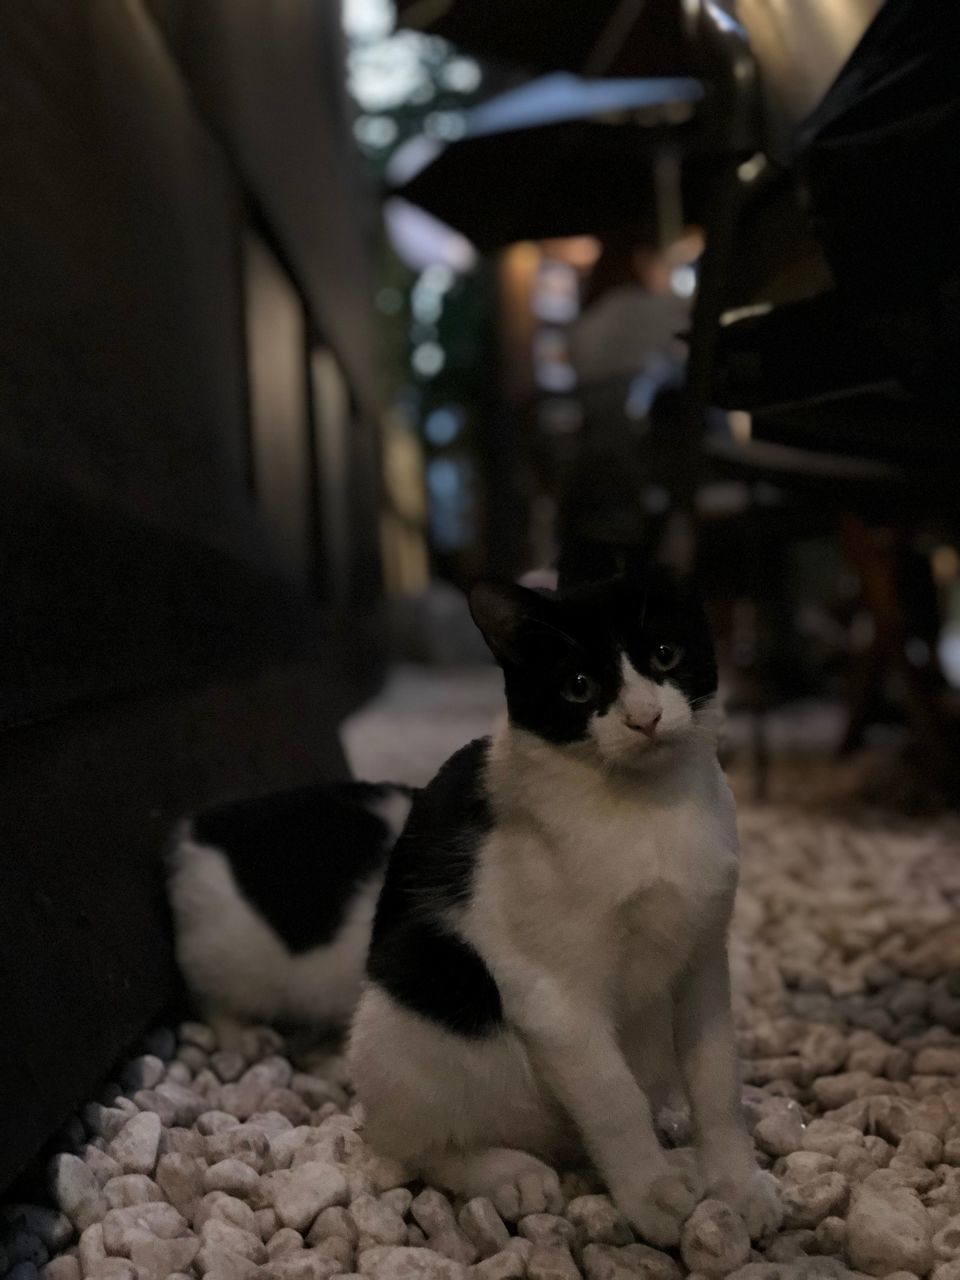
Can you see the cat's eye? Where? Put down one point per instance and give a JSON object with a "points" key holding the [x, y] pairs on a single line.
{"points": [[665, 657], [578, 688]]}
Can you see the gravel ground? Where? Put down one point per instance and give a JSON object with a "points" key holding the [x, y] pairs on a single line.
{"points": [[202, 1161]]}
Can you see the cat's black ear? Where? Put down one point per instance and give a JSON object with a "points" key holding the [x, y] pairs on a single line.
{"points": [[505, 614]]}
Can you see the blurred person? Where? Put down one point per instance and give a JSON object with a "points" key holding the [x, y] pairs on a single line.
{"points": [[627, 350], [631, 316]]}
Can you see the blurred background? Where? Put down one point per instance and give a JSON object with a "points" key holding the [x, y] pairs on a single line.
{"points": [[311, 314]]}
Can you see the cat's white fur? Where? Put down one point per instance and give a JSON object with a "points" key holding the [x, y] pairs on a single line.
{"points": [[600, 904], [235, 964]]}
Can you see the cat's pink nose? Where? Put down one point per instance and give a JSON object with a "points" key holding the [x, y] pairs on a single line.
{"points": [[648, 727]]}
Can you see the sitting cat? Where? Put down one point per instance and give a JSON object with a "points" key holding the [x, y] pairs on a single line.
{"points": [[549, 948]]}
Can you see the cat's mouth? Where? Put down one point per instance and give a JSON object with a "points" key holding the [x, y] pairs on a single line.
{"points": [[637, 750]]}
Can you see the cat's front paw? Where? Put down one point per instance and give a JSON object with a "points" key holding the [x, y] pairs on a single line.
{"points": [[658, 1202], [525, 1187], [755, 1196]]}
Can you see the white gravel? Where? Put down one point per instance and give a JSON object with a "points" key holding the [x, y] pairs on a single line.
{"points": [[205, 1161]]}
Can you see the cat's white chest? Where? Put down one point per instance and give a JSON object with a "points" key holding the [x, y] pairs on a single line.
{"points": [[685, 876]]}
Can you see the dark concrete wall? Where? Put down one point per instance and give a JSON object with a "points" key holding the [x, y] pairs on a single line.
{"points": [[160, 644]]}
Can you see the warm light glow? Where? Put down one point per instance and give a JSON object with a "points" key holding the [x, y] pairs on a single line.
{"points": [[744, 313], [741, 426], [686, 248], [945, 565], [751, 169], [577, 251]]}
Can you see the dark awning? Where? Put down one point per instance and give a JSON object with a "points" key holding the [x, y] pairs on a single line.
{"points": [[592, 37]]}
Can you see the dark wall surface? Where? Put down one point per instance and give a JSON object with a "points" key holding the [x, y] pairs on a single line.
{"points": [[158, 646]]}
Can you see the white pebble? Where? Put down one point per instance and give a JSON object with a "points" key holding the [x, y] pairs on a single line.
{"points": [[269, 1122], [807, 1203], [104, 1167], [224, 1264], [178, 1072], [90, 1249], [187, 1104], [506, 1265], [150, 1100], [135, 1146], [453, 1244], [888, 1232], [143, 1073], [286, 1240], [76, 1191], [155, 1258], [225, 1235], [946, 1242], [341, 1251], [232, 1176], [214, 1121], [335, 1221], [434, 1213], [199, 1034], [481, 1223], [284, 1145], [547, 1228], [267, 1223], [245, 1142], [384, 1173], [599, 1220], [308, 1264], [298, 1195], [399, 1199], [377, 1223], [287, 1104], [131, 1188], [121, 1226], [605, 1262], [181, 1179], [105, 1122], [66, 1267], [714, 1239], [115, 1269], [228, 1066], [316, 1091], [384, 1262], [779, 1133], [226, 1208], [548, 1262]]}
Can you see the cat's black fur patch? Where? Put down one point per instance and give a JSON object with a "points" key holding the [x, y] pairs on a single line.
{"points": [[299, 856], [542, 640], [414, 955]]}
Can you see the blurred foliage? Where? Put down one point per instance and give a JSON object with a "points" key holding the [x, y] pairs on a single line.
{"points": [[405, 85]]}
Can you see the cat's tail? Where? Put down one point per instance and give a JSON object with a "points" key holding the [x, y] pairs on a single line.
{"points": [[273, 900]]}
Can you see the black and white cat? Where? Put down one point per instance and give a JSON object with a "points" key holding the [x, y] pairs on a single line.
{"points": [[549, 950], [548, 956], [273, 901]]}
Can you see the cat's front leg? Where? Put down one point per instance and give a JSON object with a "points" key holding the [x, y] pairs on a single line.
{"points": [[706, 1048], [574, 1044]]}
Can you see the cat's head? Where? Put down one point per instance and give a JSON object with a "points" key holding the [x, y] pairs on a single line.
{"points": [[623, 670]]}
